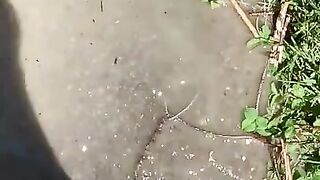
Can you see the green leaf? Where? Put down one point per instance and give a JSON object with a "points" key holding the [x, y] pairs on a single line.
{"points": [[253, 43], [290, 132], [250, 128], [262, 123], [274, 100], [273, 88], [289, 123], [251, 113], [317, 173], [274, 123], [317, 123], [298, 91], [296, 103], [266, 41], [302, 173], [265, 31], [317, 177], [248, 125], [303, 178], [214, 4], [263, 132]]}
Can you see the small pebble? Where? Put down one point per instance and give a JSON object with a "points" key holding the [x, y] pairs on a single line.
{"points": [[84, 148], [174, 154], [243, 158], [248, 141]]}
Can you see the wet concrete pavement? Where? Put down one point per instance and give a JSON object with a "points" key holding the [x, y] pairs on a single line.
{"points": [[98, 80]]}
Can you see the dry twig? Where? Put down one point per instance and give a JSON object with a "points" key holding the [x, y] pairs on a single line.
{"points": [[261, 83], [184, 109], [286, 160], [274, 155], [279, 35], [244, 17], [270, 13]]}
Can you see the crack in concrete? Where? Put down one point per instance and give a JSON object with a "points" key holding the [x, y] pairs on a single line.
{"points": [[168, 117]]}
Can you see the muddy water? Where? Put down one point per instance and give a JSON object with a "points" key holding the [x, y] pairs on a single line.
{"points": [[98, 78]]}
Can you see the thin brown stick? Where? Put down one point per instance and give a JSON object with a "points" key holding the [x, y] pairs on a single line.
{"points": [[286, 160], [274, 157], [184, 109], [283, 34], [279, 165], [261, 83], [214, 134], [177, 117], [279, 34], [244, 17], [261, 13]]}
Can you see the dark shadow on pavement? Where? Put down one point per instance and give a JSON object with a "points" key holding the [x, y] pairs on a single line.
{"points": [[24, 151]]}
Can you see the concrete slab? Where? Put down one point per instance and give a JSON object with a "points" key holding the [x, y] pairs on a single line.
{"points": [[180, 152], [97, 81]]}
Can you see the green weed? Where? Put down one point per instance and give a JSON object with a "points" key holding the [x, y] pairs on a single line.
{"points": [[263, 39], [293, 111], [213, 3]]}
